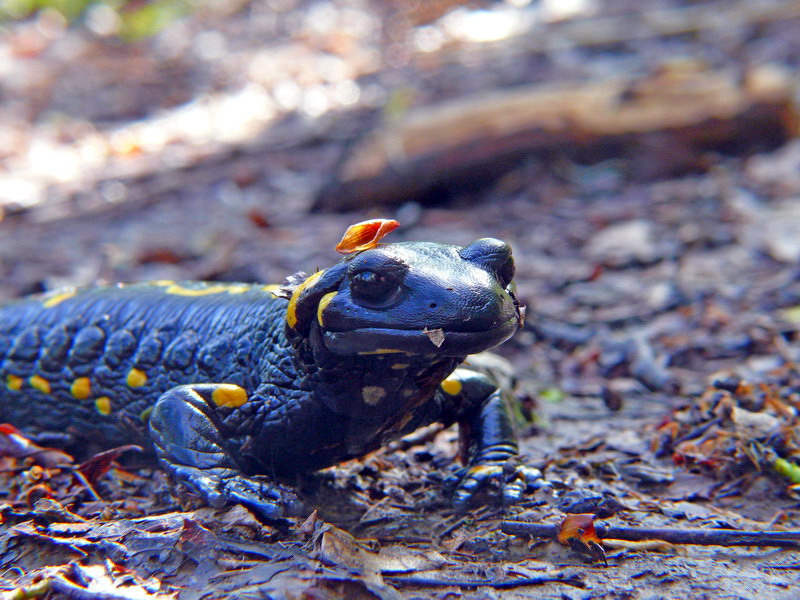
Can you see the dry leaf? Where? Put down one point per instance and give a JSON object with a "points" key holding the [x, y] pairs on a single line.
{"points": [[365, 235]]}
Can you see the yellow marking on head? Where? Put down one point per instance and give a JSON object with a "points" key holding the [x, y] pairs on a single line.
{"points": [[240, 288], [13, 382], [39, 383], [136, 378], [229, 395], [162, 282], [178, 290], [372, 394], [399, 366], [291, 310], [382, 351], [451, 386], [323, 304], [50, 300], [103, 405], [81, 388]]}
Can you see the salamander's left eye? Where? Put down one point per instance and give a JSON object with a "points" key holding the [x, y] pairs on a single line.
{"points": [[373, 289]]}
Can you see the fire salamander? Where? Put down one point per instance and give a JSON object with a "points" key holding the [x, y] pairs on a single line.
{"points": [[235, 386]]}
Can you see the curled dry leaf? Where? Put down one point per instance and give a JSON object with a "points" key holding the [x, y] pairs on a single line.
{"points": [[365, 235], [99, 464], [577, 531], [337, 547], [577, 526]]}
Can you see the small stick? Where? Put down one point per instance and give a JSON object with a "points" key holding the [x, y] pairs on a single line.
{"points": [[89, 487], [700, 537], [506, 584]]}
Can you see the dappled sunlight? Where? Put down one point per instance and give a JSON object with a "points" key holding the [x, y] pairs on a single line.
{"points": [[69, 123]]}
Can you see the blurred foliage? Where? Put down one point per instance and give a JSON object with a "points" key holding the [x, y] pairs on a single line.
{"points": [[131, 20]]}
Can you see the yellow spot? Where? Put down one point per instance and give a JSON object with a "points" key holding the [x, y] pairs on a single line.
{"points": [[51, 300], [39, 383], [179, 290], [382, 351], [136, 378], [323, 304], [485, 470], [291, 310], [103, 405], [13, 382], [399, 366], [162, 282], [372, 394], [81, 388], [229, 395], [451, 386]]}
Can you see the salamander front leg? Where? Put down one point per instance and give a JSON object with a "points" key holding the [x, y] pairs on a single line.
{"points": [[487, 438], [189, 439]]}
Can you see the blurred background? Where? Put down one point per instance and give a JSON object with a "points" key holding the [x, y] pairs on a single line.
{"points": [[181, 138], [641, 158]]}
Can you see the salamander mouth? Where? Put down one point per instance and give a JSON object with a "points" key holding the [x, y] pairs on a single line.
{"points": [[375, 340]]}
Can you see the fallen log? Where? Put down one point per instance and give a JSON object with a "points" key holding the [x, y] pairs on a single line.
{"points": [[666, 123]]}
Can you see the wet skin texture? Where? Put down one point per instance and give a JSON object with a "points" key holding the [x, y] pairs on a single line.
{"points": [[235, 387]]}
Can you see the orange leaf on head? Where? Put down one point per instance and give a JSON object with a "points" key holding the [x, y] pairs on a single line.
{"points": [[365, 235]]}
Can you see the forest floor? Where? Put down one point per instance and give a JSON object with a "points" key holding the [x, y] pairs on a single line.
{"points": [[659, 360]]}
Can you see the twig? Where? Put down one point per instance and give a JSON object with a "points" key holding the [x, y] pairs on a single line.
{"points": [[87, 485], [783, 567], [401, 580], [700, 537], [453, 527]]}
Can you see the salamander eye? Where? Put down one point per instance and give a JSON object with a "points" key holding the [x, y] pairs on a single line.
{"points": [[373, 289]]}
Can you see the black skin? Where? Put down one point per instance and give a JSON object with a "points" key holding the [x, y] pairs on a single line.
{"points": [[350, 358]]}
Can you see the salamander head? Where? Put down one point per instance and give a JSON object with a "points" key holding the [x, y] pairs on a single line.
{"points": [[413, 297]]}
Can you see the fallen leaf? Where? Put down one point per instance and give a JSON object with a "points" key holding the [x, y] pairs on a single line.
{"points": [[365, 235], [99, 464], [577, 531], [580, 526], [336, 546]]}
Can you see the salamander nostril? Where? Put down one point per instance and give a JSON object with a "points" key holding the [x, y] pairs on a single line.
{"points": [[433, 304], [506, 272], [490, 253]]}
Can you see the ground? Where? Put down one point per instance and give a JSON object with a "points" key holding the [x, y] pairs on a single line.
{"points": [[202, 152]]}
